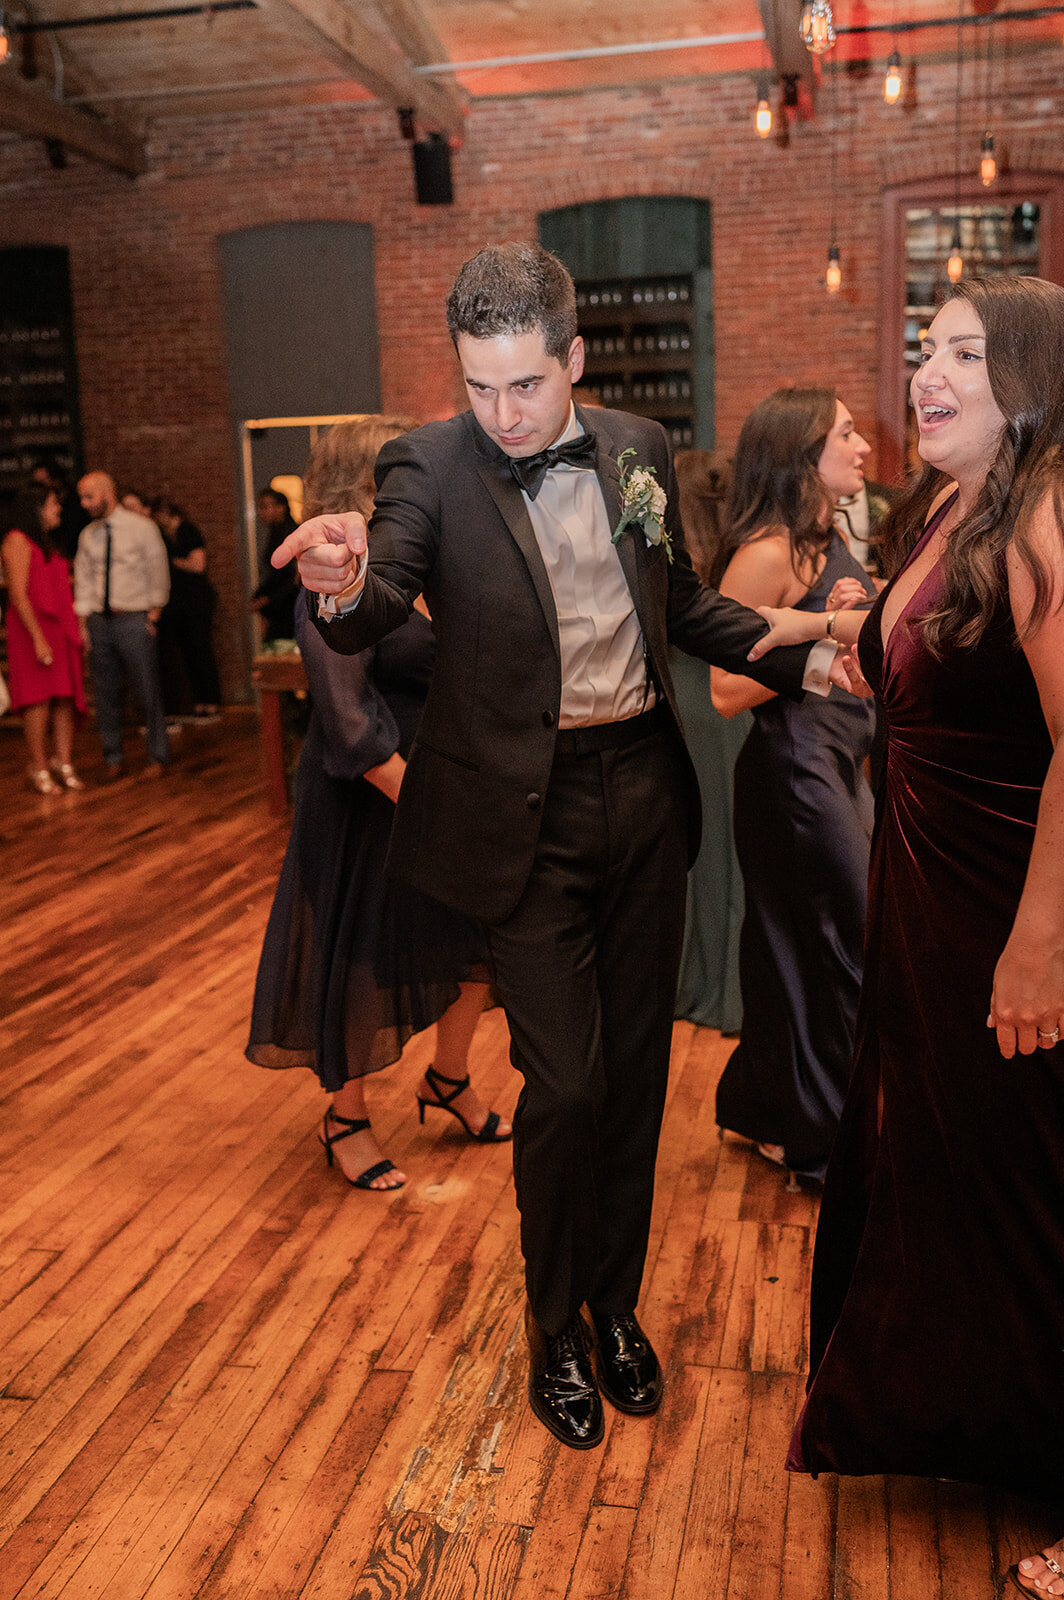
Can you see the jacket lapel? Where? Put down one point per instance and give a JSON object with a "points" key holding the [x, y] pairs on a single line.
{"points": [[609, 476], [507, 496]]}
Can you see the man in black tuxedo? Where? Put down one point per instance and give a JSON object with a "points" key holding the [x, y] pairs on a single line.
{"points": [[549, 793]]}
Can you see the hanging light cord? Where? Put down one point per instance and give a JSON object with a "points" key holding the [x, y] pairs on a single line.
{"points": [[957, 127], [834, 150]]}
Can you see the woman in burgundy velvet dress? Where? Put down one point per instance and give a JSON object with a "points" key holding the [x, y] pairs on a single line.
{"points": [[937, 1335]]}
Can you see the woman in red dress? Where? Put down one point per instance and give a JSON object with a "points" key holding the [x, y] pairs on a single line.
{"points": [[43, 645]]}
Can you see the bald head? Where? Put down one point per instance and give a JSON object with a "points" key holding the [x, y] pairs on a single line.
{"points": [[96, 491]]}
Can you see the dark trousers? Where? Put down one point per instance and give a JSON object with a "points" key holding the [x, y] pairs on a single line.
{"points": [[586, 969], [185, 638], [122, 647]]}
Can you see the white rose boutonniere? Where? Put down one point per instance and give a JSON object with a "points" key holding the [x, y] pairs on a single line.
{"points": [[643, 503]]}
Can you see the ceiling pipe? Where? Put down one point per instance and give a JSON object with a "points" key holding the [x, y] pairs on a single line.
{"points": [[709, 40]]}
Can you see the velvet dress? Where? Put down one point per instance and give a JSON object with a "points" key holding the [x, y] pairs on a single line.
{"points": [[354, 961], [803, 821], [937, 1337]]}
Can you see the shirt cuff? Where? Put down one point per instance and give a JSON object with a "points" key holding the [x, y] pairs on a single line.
{"points": [[331, 606], [817, 666]]}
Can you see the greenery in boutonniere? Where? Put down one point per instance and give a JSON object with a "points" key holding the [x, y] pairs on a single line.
{"points": [[643, 503]]}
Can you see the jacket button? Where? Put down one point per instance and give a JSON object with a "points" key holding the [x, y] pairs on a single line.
{"points": [[533, 802], [548, 719]]}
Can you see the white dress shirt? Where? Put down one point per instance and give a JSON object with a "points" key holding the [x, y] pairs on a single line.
{"points": [[140, 571]]}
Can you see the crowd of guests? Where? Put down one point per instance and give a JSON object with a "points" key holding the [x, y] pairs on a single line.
{"points": [[107, 584], [937, 1327], [886, 977]]}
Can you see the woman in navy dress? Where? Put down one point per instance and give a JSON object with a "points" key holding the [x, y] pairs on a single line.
{"points": [[937, 1341], [803, 808], [355, 962]]}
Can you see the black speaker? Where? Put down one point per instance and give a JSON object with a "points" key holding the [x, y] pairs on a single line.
{"points": [[432, 171]]}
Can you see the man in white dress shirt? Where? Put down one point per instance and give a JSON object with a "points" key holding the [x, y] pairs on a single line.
{"points": [[121, 583]]}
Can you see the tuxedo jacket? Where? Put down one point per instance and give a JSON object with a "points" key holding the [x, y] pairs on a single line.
{"points": [[451, 521]]}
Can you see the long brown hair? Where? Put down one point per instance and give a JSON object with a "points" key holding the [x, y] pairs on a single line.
{"points": [[1023, 320], [703, 478], [776, 485], [339, 475]]}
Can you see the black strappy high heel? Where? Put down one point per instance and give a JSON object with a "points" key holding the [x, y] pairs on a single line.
{"points": [[350, 1126], [488, 1134]]}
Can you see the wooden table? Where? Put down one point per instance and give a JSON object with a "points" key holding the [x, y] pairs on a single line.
{"points": [[274, 676]]}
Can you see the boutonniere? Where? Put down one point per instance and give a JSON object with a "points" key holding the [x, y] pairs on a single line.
{"points": [[643, 503]]}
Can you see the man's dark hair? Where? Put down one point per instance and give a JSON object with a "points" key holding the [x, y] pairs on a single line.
{"points": [[514, 288]]}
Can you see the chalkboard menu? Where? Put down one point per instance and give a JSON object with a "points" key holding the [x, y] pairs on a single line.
{"points": [[38, 370]]}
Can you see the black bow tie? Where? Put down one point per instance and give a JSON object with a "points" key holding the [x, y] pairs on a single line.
{"points": [[530, 471]]}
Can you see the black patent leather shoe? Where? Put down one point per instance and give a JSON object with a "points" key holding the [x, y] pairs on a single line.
{"points": [[629, 1372], [561, 1384]]}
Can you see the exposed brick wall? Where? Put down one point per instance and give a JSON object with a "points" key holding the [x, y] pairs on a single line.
{"points": [[146, 270]]}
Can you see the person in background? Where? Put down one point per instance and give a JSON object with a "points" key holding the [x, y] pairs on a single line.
{"points": [[708, 990], [185, 626], [353, 961], [121, 583], [275, 598], [43, 642], [803, 807], [48, 474], [134, 501]]}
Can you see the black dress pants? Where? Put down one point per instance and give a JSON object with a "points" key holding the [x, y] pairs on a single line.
{"points": [[586, 969]]}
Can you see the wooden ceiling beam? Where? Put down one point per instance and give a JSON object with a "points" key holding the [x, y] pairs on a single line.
{"points": [[410, 26], [359, 38], [36, 115], [790, 58]]}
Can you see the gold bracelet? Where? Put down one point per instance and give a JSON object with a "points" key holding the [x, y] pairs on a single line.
{"points": [[829, 634]]}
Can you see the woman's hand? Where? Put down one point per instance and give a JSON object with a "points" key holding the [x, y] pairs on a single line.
{"points": [[845, 673], [845, 594], [1027, 1003], [42, 650], [786, 626]]}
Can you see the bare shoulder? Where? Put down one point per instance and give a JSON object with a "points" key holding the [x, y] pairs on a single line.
{"points": [[760, 572], [766, 554]]}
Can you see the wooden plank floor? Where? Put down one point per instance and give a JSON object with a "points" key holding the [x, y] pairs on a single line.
{"points": [[226, 1374]]}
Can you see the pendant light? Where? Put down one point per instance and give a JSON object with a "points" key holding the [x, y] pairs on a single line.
{"points": [[892, 81], [763, 114], [987, 159], [955, 263], [833, 274], [5, 42]]}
